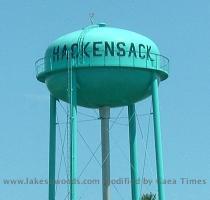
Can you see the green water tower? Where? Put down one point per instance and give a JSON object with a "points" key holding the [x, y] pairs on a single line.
{"points": [[103, 67]]}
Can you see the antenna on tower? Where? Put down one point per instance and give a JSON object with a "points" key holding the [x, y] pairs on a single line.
{"points": [[91, 17]]}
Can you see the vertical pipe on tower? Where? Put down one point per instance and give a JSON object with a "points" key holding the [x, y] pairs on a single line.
{"points": [[158, 141], [105, 146], [133, 152], [52, 148], [73, 136]]}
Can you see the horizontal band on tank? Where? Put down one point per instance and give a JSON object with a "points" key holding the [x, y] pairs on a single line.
{"points": [[46, 65]]}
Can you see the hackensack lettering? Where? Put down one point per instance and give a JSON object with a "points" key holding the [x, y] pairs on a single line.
{"points": [[99, 49]]}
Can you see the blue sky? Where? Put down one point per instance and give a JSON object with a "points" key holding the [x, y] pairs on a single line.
{"points": [[180, 28]]}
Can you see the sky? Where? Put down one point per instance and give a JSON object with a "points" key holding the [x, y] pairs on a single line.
{"points": [[180, 28]]}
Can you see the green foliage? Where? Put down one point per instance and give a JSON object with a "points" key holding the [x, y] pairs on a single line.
{"points": [[149, 196]]}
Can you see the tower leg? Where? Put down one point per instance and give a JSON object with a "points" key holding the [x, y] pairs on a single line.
{"points": [[133, 152], [105, 115], [52, 148], [73, 137], [158, 141]]}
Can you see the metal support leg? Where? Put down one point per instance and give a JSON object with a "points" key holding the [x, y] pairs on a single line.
{"points": [[133, 152], [73, 137], [52, 148], [105, 115], [158, 141]]}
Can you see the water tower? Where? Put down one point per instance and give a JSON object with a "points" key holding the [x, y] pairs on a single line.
{"points": [[103, 67]]}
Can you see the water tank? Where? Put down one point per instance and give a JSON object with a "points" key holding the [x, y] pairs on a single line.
{"points": [[114, 67]]}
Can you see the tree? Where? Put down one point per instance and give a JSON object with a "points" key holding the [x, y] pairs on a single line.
{"points": [[149, 196]]}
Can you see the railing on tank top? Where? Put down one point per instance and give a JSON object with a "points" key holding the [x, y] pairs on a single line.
{"points": [[155, 61]]}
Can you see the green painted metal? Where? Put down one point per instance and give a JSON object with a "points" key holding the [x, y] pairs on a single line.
{"points": [[104, 87], [73, 135], [105, 151], [158, 141], [103, 67], [52, 148], [133, 152]]}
